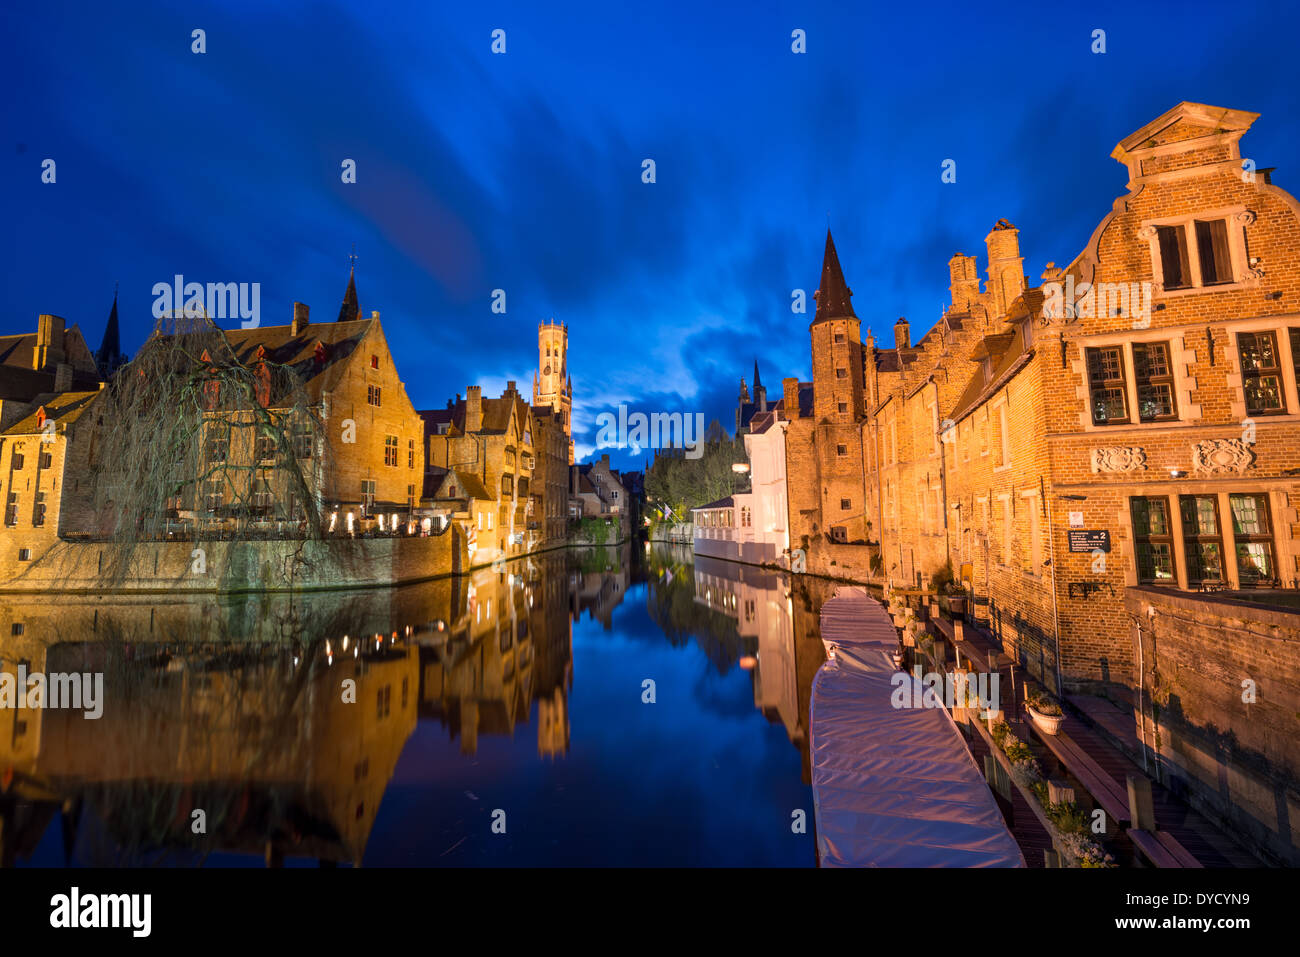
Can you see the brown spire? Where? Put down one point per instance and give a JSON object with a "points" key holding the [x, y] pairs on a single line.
{"points": [[350, 310], [834, 294]]}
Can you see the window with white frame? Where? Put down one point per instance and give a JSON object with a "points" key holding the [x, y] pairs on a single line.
{"points": [[1203, 251]]}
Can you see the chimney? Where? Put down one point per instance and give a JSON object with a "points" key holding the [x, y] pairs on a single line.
{"points": [[902, 334], [300, 321], [604, 460], [49, 341], [374, 314], [790, 398], [1006, 266], [474, 409], [510, 386], [63, 377], [963, 281]]}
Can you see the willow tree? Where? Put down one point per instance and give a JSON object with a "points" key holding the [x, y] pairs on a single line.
{"points": [[196, 441]]}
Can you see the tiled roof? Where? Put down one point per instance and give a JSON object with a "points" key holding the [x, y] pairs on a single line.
{"points": [[63, 408]]}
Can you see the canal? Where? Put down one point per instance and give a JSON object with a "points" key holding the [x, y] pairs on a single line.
{"points": [[615, 706]]}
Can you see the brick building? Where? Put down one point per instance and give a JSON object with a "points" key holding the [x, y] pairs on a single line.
{"points": [[1134, 419]]}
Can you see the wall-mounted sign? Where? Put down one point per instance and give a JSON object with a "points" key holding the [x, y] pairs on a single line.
{"points": [[1076, 519], [1088, 539]]}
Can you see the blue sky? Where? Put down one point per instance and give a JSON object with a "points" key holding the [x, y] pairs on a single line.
{"points": [[522, 171]]}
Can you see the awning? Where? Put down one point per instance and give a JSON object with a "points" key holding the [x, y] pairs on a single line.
{"points": [[892, 787]]}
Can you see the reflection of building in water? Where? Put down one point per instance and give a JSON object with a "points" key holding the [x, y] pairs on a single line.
{"points": [[265, 742], [511, 643], [598, 581], [770, 609]]}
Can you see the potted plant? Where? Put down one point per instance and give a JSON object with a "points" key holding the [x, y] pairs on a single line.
{"points": [[1045, 711]]}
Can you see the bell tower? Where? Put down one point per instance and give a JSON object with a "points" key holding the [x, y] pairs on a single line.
{"points": [[552, 385]]}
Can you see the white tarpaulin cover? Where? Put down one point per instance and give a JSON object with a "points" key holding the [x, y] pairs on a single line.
{"points": [[892, 787]]}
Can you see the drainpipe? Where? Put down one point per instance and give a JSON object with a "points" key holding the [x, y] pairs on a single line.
{"points": [[1142, 713], [1056, 620]]}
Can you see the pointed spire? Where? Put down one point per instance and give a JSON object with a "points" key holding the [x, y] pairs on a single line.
{"points": [[351, 309], [758, 383], [834, 294], [109, 358]]}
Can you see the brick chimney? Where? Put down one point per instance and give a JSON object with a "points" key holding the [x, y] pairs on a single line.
{"points": [[300, 320], [510, 386], [1006, 266], [474, 409], [963, 280], [63, 377], [902, 334], [49, 341], [790, 397]]}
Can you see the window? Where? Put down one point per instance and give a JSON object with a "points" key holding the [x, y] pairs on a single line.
{"points": [[843, 407], [1212, 244], [410, 496], [1250, 527], [1004, 437], [44, 459], [261, 494], [1152, 539], [368, 491], [390, 450], [385, 702], [1202, 540], [16, 463], [507, 485], [11, 510], [841, 373], [410, 453], [846, 504], [1106, 383], [746, 517], [374, 362], [16, 629], [214, 493], [523, 487], [841, 450], [839, 534], [839, 337], [264, 448], [218, 445], [1155, 381], [1295, 354], [372, 395], [1007, 519], [302, 441], [24, 554], [38, 519], [1260, 372], [1173, 257]]}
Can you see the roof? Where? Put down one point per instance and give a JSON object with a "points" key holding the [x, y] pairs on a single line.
{"points": [[833, 295], [63, 409], [299, 352], [467, 486], [350, 310], [728, 502], [496, 415], [1006, 365], [1181, 123]]}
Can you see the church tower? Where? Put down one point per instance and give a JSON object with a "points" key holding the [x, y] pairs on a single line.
{"points": [[836, 346], [552, 384]]}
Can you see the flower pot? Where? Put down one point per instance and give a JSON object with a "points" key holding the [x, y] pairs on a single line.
{"points": [[1046, 723]]}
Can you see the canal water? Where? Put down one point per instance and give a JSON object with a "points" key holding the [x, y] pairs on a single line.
{"points": [[628, 705]]}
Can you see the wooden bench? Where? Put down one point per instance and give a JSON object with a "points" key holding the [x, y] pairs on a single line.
{"points": [[1162, 848], [1104, 789]]}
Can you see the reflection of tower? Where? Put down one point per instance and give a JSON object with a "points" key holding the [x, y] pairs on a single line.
{"points": [[552, 385], [553, 724]]}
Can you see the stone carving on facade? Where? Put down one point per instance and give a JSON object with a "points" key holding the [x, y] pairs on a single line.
{"points": [[1119, 458], [1246, 217], [1222, 455]]}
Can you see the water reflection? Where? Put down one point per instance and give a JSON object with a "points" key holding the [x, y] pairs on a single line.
{"points": [[300, 729]]}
